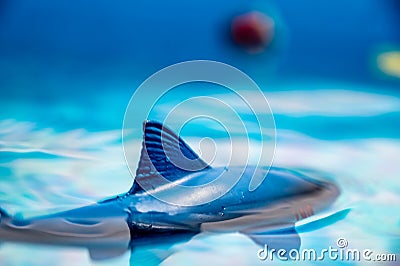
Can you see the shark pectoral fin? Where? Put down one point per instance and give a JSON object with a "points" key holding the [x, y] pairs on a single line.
{"points": [[103, 253], [285, 238], [324, 221], [145, 256]]}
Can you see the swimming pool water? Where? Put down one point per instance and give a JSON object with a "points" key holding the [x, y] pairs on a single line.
{"points": [[346, 133]]}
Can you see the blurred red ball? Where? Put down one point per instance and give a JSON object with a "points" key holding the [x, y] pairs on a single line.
{"points": [[252, 31]]}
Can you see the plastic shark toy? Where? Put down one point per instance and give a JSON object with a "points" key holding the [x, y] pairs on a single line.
{"points": [[267, 215]]}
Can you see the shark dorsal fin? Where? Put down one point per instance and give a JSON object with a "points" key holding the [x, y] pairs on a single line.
{"points": [[164, 154]]}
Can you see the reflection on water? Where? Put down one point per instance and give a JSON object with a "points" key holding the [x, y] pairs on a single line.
{"points": [[351, 142], [43, 169]]}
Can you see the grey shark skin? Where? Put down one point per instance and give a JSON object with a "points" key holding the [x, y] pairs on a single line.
{"points": [[267, 214]]}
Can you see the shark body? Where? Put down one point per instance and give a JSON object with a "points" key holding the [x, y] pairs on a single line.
{"points": [[138, 218]]}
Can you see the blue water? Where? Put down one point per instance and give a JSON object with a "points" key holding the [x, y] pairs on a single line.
{"points": [[69, 69]]}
